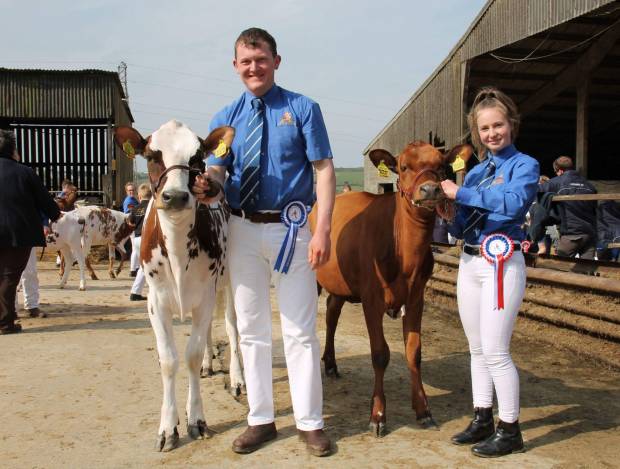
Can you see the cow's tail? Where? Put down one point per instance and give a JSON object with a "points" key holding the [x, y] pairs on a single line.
{"points": [[42, 252], [82, 222]]}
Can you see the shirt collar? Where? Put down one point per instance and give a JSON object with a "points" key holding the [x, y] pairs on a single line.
{"points": [[503, 154], [267, 98]]}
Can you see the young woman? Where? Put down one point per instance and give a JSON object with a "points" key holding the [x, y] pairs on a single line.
{"points": [[491, 208]]}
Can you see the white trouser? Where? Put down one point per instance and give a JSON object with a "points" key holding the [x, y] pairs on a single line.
{"points": [[138, 283], [489, 330], [29, 283], [135, 252], [253, 249]]}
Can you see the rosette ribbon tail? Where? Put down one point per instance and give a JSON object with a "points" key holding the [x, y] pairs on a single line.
{"points": [[500, 281], [285, 256]]}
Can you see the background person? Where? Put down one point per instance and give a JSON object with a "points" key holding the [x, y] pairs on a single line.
{"points": [[269, 167], [136, 218], [129, 203], [578, 217], [494, 198], [23, 198]]}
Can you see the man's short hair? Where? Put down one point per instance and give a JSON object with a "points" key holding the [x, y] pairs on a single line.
{"points": [[130, 183], [65, 183], [253, 37], [7, 144], [144, 192], [564, 163]]}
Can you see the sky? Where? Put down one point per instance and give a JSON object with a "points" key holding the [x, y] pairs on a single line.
{"points": [[360, 60]]}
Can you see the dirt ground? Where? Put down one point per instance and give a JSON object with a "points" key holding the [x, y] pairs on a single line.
{"points": [[82, 388]]}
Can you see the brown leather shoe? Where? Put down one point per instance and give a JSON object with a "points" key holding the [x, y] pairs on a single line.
{"points": [[317, 442], [253, 438]]}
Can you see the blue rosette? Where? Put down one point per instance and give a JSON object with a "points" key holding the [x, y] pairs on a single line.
{"points": [[294, 215], [497, 248]]}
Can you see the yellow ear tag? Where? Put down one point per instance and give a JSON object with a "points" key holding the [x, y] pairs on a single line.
{"points": [[128, 149], [458, 164], [384, 171], [221, 151]]}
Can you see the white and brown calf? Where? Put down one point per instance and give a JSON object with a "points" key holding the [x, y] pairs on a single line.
{"points": [[77, 231], [183, 257], [65, 235]]}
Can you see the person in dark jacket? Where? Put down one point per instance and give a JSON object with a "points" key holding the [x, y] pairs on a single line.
{"points": [[577, 218], [608, 227], [23, 198]]}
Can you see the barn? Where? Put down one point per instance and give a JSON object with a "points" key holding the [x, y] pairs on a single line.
{"points": [[63, 120], [558, 59]]}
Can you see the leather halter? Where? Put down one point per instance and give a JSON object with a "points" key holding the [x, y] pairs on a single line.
{"points": [[409, 192], [446, 212], [184, 167]]}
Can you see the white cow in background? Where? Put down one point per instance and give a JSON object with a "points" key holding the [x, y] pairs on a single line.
{"points": [[78, 230]]}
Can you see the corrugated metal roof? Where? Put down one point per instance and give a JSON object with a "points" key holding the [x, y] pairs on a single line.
{"points": [[500, 22], [62, 95]]}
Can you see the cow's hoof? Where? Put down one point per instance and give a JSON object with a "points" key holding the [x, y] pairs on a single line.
{"points": [[206, 372], [332, 371], [167, 443], [236, 391], [377, 429], [112, 276], [199, 431], [82, 288], [61, 287], [427, 423], [93, 277]]}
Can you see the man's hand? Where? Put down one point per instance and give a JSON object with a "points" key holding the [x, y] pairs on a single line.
{"points": [[206, 189], [319, 249]]}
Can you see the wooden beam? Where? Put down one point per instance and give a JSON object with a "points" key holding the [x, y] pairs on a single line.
{"points": [[570, 75], [581, 136], [570, 198]]}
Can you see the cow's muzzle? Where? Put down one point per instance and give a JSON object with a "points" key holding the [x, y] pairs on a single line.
{"points": [[174, 200]]}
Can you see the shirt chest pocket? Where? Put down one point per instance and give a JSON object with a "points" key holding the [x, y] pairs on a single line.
{"points": [[286, 137]]}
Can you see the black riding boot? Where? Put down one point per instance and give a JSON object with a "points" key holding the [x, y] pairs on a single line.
{"points": [[480, 428], [506, 439]]}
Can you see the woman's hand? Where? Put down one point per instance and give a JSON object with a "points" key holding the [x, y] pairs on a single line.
{"points": [[449, 188]]}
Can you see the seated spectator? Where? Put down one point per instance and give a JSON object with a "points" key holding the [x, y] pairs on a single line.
{"points": [[346, 187], [608, 228], [578, 217]]}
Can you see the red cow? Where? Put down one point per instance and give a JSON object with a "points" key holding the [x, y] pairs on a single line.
{"points": [[381, 256]]}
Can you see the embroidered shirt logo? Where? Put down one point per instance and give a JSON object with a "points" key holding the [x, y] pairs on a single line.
{"points": [[498, 180], [287, 119]]}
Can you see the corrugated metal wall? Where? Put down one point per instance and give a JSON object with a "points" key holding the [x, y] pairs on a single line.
{"points": [[438, 105]]}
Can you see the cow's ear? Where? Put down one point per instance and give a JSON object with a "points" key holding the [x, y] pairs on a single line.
{"points": [[383, 156], [130, 140], [458, 156], [219, 141]]}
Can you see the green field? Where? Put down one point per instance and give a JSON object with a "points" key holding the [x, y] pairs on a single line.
{"points": [[354, 176]]}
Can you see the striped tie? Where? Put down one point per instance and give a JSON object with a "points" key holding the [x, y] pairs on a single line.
{"points": [[250, 174], [477, 218]]}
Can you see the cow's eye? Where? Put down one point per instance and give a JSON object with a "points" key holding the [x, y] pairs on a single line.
{"points": [[403, 169]]}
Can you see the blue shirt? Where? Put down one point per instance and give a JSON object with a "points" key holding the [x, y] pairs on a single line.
{"points": [[129, 202], [294, 135], [506, 201]]}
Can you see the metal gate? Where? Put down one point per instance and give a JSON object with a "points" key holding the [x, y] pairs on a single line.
{"points": [[57, 152]]}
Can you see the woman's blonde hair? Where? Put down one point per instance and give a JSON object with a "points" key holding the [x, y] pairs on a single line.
{"points": [[491, 97]]}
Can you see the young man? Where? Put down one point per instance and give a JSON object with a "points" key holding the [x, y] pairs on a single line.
{"points": [[577, 218], [280, 137]]}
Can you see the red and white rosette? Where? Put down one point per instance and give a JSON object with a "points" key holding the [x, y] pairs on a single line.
{"points": [[497, 248]]}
